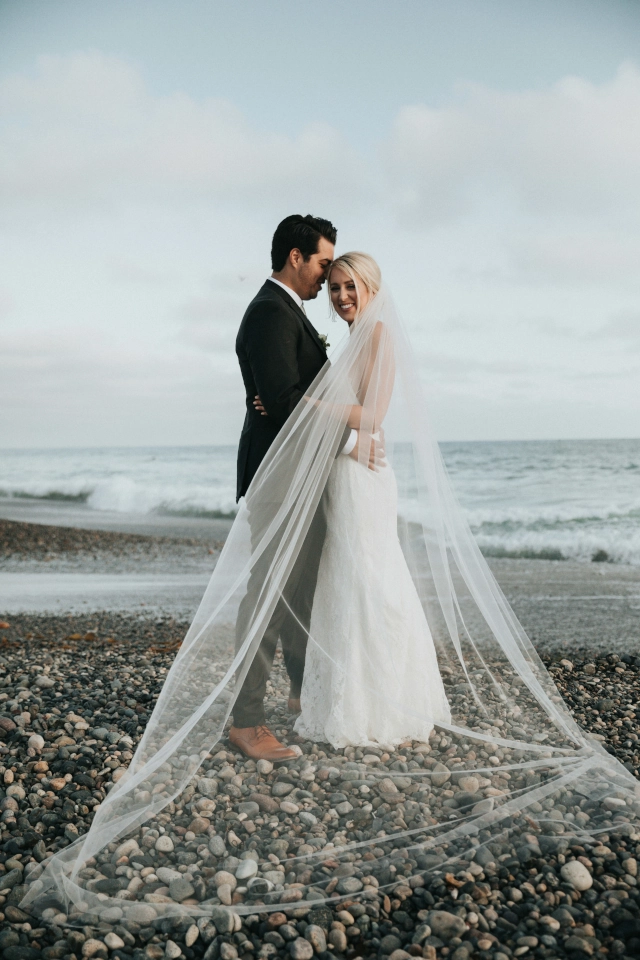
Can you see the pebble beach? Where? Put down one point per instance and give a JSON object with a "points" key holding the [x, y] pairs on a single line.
{"points": [[76, 692]]}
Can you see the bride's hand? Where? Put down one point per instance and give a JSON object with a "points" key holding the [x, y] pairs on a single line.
{"points": [[257, 403], [371, 448]]}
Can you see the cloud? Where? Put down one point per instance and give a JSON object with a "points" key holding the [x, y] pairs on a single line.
{"points": [[572, 150], [83, 129]]}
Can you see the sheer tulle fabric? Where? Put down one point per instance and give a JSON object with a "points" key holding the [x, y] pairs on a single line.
{"points": [[494, 752]]}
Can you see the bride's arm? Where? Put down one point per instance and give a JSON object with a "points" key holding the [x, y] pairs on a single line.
{"points": [[376, 386]]}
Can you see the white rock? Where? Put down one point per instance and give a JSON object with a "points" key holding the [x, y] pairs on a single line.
{"points": [[36, 742], [264, 767], [288, 806], [577, 875], [208, 786], [246, 870], [45, 683], [191, 935], [613, 803], [166, 874], [113, 941], [164, 844], [172, 951]]}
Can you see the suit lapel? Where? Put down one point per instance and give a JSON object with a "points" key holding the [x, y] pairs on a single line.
{"points": [[284, 296]]}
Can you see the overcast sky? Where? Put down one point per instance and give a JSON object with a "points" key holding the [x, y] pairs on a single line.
{"points": [[487, 153]]}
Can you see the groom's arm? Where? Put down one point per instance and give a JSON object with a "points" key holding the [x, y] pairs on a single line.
{"points": [[271, 346]]}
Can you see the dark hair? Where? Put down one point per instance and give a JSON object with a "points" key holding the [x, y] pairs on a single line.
{"points": [[301, 233]]}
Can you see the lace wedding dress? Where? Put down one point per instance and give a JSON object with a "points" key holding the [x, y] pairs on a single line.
{"points": [[371, 673]]}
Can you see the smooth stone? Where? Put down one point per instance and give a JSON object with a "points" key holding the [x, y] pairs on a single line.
{"points": [[349, 885], [300, 949], [246, 870], [307, 818], [281, 788], [225, 892], [127, 848], [250, 808], [469, 784], [223, 876], [113, 941], [191, 935], [440, 774], [228, 951], [287, 806], [91, 947], [387, 786], [577, 875], [166, 874], [344, 808], [172, 951], [36, 742], [223, 920], [100, 733], [389, 943], [446, 925], [482, 806], [207, 786], [316, 937], [217, 846], [180, 890], [264, 767], [141, 913], [164, 844]]}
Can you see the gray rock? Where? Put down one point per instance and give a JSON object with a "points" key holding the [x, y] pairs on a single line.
{"points": [[180, 890], [446, 925], [390, 943], [100, 733], [223, 920], [344, 808], [440, 774], [307, 818], [349, 885], [207, 786], [142, 913], [217, 846], [10, 879], [281, 788], [300, 949], [251, 808], [316, 937]]}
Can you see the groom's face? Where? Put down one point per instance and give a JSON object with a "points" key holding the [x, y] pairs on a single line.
{"points": [[312, 273]]}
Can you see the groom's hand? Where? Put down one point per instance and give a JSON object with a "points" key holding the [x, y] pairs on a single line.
{"points": [[370, 449], [257, 402]]}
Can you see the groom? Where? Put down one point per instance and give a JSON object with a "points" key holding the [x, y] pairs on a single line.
{"points": [[280, 354]]}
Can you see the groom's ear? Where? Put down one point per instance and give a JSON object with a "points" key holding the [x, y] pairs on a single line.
{"points": [[295, 257]]}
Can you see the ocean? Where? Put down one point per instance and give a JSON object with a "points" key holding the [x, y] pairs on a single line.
{"points": [[557, 499]]}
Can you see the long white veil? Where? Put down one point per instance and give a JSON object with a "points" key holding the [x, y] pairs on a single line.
{"points": [[512, 768]]}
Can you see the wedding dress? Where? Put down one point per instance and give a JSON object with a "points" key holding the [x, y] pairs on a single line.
{"points": [[371, 673]]}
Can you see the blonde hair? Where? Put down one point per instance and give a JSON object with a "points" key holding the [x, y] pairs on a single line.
{"points": [[358, 266]]}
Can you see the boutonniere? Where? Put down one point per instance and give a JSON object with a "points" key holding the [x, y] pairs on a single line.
{"points": [[325, 342]]}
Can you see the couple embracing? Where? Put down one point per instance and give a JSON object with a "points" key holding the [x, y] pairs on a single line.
{"points": [[355, 639]]}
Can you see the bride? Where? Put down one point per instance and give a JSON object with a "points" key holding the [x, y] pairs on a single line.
{"points": [[371, 674]]}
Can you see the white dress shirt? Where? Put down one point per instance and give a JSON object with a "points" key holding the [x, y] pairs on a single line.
{"points": [[353, 436]]}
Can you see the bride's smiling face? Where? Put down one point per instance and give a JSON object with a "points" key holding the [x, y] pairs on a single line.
{"points": [[348, 296]]}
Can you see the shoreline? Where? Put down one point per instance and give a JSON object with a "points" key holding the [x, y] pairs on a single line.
{"points": [[562, 604]]}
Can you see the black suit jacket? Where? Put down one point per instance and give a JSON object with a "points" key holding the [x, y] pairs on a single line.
{"points": [[280, 354]]}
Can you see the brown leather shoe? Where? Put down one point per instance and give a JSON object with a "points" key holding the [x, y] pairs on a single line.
{"points": [[260, 744], [293, 705]]}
